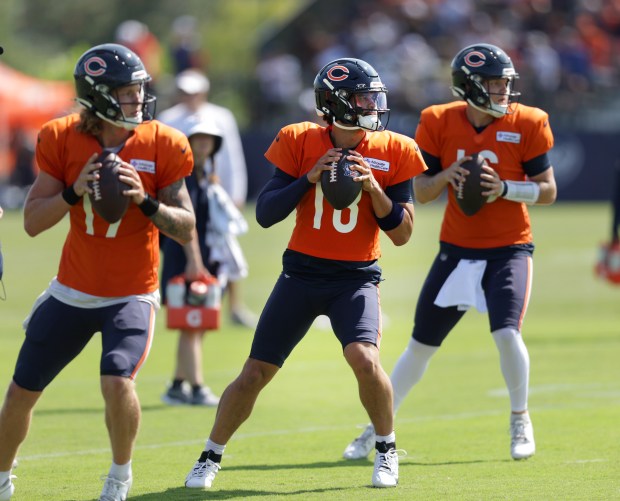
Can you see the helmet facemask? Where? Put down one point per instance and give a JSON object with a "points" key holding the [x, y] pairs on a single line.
{"points": [[477, 94]]}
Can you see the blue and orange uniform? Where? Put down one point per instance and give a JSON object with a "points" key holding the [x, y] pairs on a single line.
{"points": [[516, 147], [107, 271], [331, 258]]}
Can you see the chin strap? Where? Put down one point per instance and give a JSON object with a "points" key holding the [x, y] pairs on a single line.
{"points": [[346, 127]]}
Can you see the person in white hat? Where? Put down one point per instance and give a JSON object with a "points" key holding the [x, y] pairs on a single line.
{"points": [[193, 108], [194, 260]]}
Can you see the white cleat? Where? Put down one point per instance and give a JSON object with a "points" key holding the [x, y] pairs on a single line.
{"points": [[202, 475], [385, 473], [7, 489], [522, 444], [115, 489], [362, 445]]}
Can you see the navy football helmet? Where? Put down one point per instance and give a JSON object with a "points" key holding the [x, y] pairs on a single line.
{"points": [[350, 94], [474, 65], [101, 70]]}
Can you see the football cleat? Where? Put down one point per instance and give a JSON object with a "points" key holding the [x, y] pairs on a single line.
{"points": [[7, 489], [362, 445], [202, 474], [115, 489], [385, 473], [522, 444]]}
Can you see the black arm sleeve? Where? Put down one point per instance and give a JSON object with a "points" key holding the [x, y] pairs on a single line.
{"points": [[432, 162], [537, 165], [401, 193], [279, 197]]}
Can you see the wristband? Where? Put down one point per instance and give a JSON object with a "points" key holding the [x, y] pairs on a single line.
{"points": [[393, 219], [521, 191], [149, 205], [70, 196]]}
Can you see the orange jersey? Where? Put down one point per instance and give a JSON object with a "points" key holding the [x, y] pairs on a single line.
{"points": [[120, 259], [506, 143], [351, 234]]}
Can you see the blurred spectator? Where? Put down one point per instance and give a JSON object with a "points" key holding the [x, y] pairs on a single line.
{"points": [[22, 174], [185, 45], [193, 107], [565, 49], [136, 36], [279, 79], [194, 261]]}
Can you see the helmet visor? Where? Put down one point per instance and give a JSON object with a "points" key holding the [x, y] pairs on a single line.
{"points": [[369, 102]]}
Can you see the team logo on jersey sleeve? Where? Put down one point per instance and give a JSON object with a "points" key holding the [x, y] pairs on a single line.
{"points": [[143, 165], [508, 137], [377, 164]]}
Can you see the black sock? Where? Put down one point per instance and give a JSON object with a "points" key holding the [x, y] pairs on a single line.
{"points": [[177, 383], [216, 458], [196, 388], [383, 447]]}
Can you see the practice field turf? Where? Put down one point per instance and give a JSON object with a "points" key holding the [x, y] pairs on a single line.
{"points": [[454, 425]]}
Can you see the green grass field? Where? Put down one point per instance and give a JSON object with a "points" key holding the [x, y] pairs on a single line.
{"points": [[454, 424]]}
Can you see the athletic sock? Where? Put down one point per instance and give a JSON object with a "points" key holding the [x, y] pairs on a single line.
{"points": [[120, 471]]}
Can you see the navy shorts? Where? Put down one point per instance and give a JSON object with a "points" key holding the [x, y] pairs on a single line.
{"points": [[57, 333], [352, 307], [506, 284]]}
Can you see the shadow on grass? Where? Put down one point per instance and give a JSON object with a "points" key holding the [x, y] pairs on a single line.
{"points": [[182, 494]]}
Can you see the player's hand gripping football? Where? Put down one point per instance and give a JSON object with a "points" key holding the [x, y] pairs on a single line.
{"points": [[455, 174], [324, 163], [81, 184], [369, 183], [129, 175], [492, 182]]}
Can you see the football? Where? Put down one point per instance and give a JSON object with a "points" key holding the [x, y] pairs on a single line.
{"points": [[107, 197], [469, 193], [338, 185]]}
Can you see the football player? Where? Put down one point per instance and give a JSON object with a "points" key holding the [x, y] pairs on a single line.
{"points": [[330, 264], [484, 260], [107, 279]]}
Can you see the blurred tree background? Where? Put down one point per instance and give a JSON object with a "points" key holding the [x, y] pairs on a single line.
{"points": [[44, 39]]}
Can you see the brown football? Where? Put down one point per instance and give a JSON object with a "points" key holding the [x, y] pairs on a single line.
{"points": [[469, 193], [337, 183], [107, 197]]}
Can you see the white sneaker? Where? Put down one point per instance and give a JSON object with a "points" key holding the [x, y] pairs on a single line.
{"points": [[7, 489], [385, 473], [522, 444], [204, 396], [202, 475], [362, 445], [177, 396], [115, 489]]}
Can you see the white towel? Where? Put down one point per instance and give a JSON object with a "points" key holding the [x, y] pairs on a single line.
{"points": [[463, 288], [225, 223]]}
